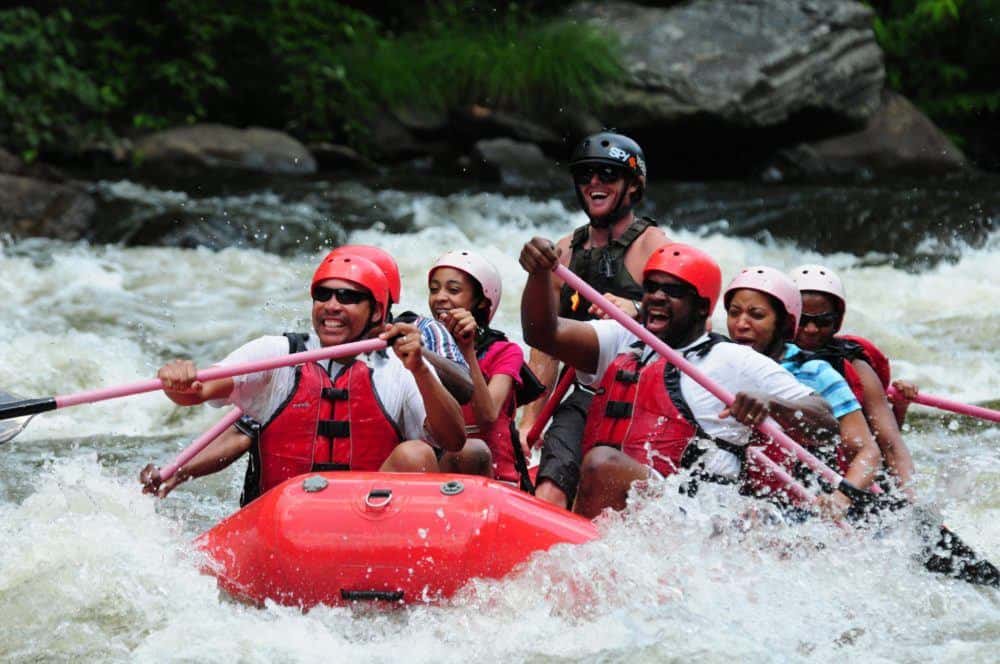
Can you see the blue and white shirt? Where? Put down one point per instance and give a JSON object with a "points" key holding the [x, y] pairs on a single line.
{"points": [[822, 378]]}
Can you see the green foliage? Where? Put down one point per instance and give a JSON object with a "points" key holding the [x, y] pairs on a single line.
{"points": [[90, 69], [943, 55], [45, 97]]}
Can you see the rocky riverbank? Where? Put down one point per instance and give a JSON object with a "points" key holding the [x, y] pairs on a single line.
{"points": [[770, 90]]}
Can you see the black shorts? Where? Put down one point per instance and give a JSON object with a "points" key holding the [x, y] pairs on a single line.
{"points": [[561, 446]]}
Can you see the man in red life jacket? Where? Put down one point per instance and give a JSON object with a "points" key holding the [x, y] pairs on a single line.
{"points": [[369, 412], [862, 364], [647, 419]]}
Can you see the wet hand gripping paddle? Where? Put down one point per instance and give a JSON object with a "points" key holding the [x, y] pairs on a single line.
{"points": [[947, 404], [959, 560], [22, 410]]}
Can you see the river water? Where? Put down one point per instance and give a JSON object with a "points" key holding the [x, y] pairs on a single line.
{"points": [[90, 569]]}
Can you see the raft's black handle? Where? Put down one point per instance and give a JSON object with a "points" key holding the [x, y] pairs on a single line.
{"points": [[372, 595]]}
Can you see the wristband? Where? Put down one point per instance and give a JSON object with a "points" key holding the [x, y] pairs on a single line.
{"points": [[638, 307], [856, 495]]}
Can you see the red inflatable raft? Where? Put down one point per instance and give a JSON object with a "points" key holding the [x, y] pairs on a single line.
{"points": [[331, 538]]}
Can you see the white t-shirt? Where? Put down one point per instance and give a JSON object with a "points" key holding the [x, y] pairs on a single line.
{"points": [[261, 394], [736, 368]]}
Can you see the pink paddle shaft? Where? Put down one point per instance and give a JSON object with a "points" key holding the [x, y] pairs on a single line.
{"points": [[768, 426], [215, 373], [200, 443], [550, 406], [948, 404]]}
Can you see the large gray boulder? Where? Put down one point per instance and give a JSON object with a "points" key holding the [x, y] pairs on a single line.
{"points": [[516, 164], [219, 146], [744, 63], [898, 139], [36, 208]]}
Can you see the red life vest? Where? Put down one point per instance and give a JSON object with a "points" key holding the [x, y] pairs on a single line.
{"points": [[322, 425], [641, 410], [501, 437]]}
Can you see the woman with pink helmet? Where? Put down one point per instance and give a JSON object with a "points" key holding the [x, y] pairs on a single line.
{"points": [[464, 294], [763, 308], [863, 365]]}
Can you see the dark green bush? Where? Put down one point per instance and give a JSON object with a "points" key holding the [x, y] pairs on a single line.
{"points": [[76, 72], [942, 54]]}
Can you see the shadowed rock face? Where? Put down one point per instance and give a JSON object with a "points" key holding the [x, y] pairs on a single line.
{"points": [[715, 86], [36, 208], [754, 63]]}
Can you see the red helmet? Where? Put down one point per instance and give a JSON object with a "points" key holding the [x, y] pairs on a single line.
{"points": [[357, 270], [380, 257], [691, 265]]}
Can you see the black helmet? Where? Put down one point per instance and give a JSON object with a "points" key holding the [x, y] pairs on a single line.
{"points": [[618, 150], [611, 148]]}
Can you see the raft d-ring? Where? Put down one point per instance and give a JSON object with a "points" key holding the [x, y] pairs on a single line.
{"points": [[452, 488], [382, 498]]}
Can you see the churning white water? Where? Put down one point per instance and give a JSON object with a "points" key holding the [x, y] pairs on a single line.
{"points": [[90, 569]]}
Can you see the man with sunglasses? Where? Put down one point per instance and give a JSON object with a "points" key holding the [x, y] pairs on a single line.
{"points": [[648, 420], [609, 177], [371, 412]]}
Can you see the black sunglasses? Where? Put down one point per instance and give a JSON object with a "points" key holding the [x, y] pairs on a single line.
{"points": [[604, 172], [343, 295], [822, 320], [676, 291]]}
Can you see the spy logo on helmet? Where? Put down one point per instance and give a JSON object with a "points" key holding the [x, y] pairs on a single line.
{"points": [[618, 153]]}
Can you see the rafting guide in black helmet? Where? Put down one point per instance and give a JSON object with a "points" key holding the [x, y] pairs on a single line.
{"points": [[609, 253], [609, 157]]}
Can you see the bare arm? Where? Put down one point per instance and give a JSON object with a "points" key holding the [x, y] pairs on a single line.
{"points": [[806, 420], [219, 454], [452, 375], [862, 449], [444, 415], [488, 397], [907, 392], [571, 341], [883, 425], [181, 386]]}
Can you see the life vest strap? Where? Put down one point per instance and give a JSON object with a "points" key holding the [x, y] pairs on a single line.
{"points": [[335, 394], [618, 409], [334, 429]]}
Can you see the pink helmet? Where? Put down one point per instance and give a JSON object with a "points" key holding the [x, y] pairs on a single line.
{"points": [[821, 279], [771, 282], [479, 269]]}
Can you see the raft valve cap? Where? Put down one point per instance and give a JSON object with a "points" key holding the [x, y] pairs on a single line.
{"points": [[314, 484]]}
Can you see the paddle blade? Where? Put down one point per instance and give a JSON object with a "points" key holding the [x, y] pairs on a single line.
{"points": [[10, 428]]}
